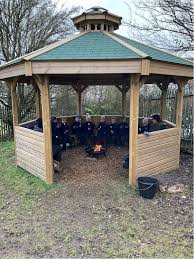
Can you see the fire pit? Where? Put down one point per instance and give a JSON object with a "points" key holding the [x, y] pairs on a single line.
{"points": [[97, 151]]}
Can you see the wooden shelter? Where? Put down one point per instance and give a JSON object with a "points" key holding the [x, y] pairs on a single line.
{"points": [[98, 56]]}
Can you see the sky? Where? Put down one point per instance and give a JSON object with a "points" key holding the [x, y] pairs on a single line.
{"points": [[117, 7]]}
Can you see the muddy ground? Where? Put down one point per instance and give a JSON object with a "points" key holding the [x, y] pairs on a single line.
{"points": [[92, 212]]}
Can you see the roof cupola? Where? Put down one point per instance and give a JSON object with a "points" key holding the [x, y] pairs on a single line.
{"points": [[97, 19]]}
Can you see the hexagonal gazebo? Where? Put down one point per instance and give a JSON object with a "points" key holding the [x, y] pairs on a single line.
{"points": [[98, 56]]}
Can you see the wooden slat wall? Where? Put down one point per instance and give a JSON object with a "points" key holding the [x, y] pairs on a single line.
{"points": [[158, 152], [30, 151]]}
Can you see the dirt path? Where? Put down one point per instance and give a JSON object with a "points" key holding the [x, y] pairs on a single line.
{"points": [[93, 213]]}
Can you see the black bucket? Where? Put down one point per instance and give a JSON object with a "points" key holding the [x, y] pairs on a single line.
{"points": [[148, 187]]}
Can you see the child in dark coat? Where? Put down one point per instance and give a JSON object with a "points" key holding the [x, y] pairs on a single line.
{"points": [[57, 150], [88, 131], [145, 128], [65, 134], [114, 131], [157, 124], [38, 125], [76, 129], [103, 132], [123, 132]]}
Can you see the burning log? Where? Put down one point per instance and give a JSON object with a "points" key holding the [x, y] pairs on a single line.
{"points": [[97, 151]]}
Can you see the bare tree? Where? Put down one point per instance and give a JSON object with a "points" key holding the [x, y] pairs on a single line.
{"points": [[164, 23], [27, 25]]}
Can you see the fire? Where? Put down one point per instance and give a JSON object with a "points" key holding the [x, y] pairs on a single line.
{"points": [[98, 148]]}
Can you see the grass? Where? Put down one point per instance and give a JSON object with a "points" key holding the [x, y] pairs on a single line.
{"points": [[18, 179], [19, 184]]}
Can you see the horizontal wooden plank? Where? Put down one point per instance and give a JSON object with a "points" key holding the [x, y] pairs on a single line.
{"points": [[157, 67], [26, 122], [161, 132], [150, 139], [170, 123], [39, 166], [30, 155], [40, 171], [29, 137], [157, 142], [161, 169], [31, 171], [12, 70], [157, 157], [28, 132], [156, 153], [28, 145], [33, 152], [159, 163], [156, 148], [87, 67], [85, 63]]}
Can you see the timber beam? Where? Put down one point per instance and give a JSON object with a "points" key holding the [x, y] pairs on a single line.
{"points": [[136, 83], [37, 98], [79, 90], [43, 84], [12, 83], [181, 82]]}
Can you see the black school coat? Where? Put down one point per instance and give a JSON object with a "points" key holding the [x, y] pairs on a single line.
{"points": [[88, 128]]}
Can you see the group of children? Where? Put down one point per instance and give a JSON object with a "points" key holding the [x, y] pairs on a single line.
{"points": [[88, 134], [154, 124]]}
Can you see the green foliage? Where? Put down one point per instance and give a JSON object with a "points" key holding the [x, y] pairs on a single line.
{"points": [[101, 100]]}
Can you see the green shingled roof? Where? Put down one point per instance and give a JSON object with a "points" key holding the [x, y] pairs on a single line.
{"points": [[154, 53], [97, 45], [100, 46], [93, 45]]}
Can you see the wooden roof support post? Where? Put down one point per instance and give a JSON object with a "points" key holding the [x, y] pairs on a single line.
{"points": [[37, 98], [179, 109], [124, 95], [38, 103], [43, 84], [136, 83], [79, 89], [79, 103], [13, 83], [164, 89], [123, 89]]}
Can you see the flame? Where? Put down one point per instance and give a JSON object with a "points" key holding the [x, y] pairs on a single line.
{"points": [[98, 148]]}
